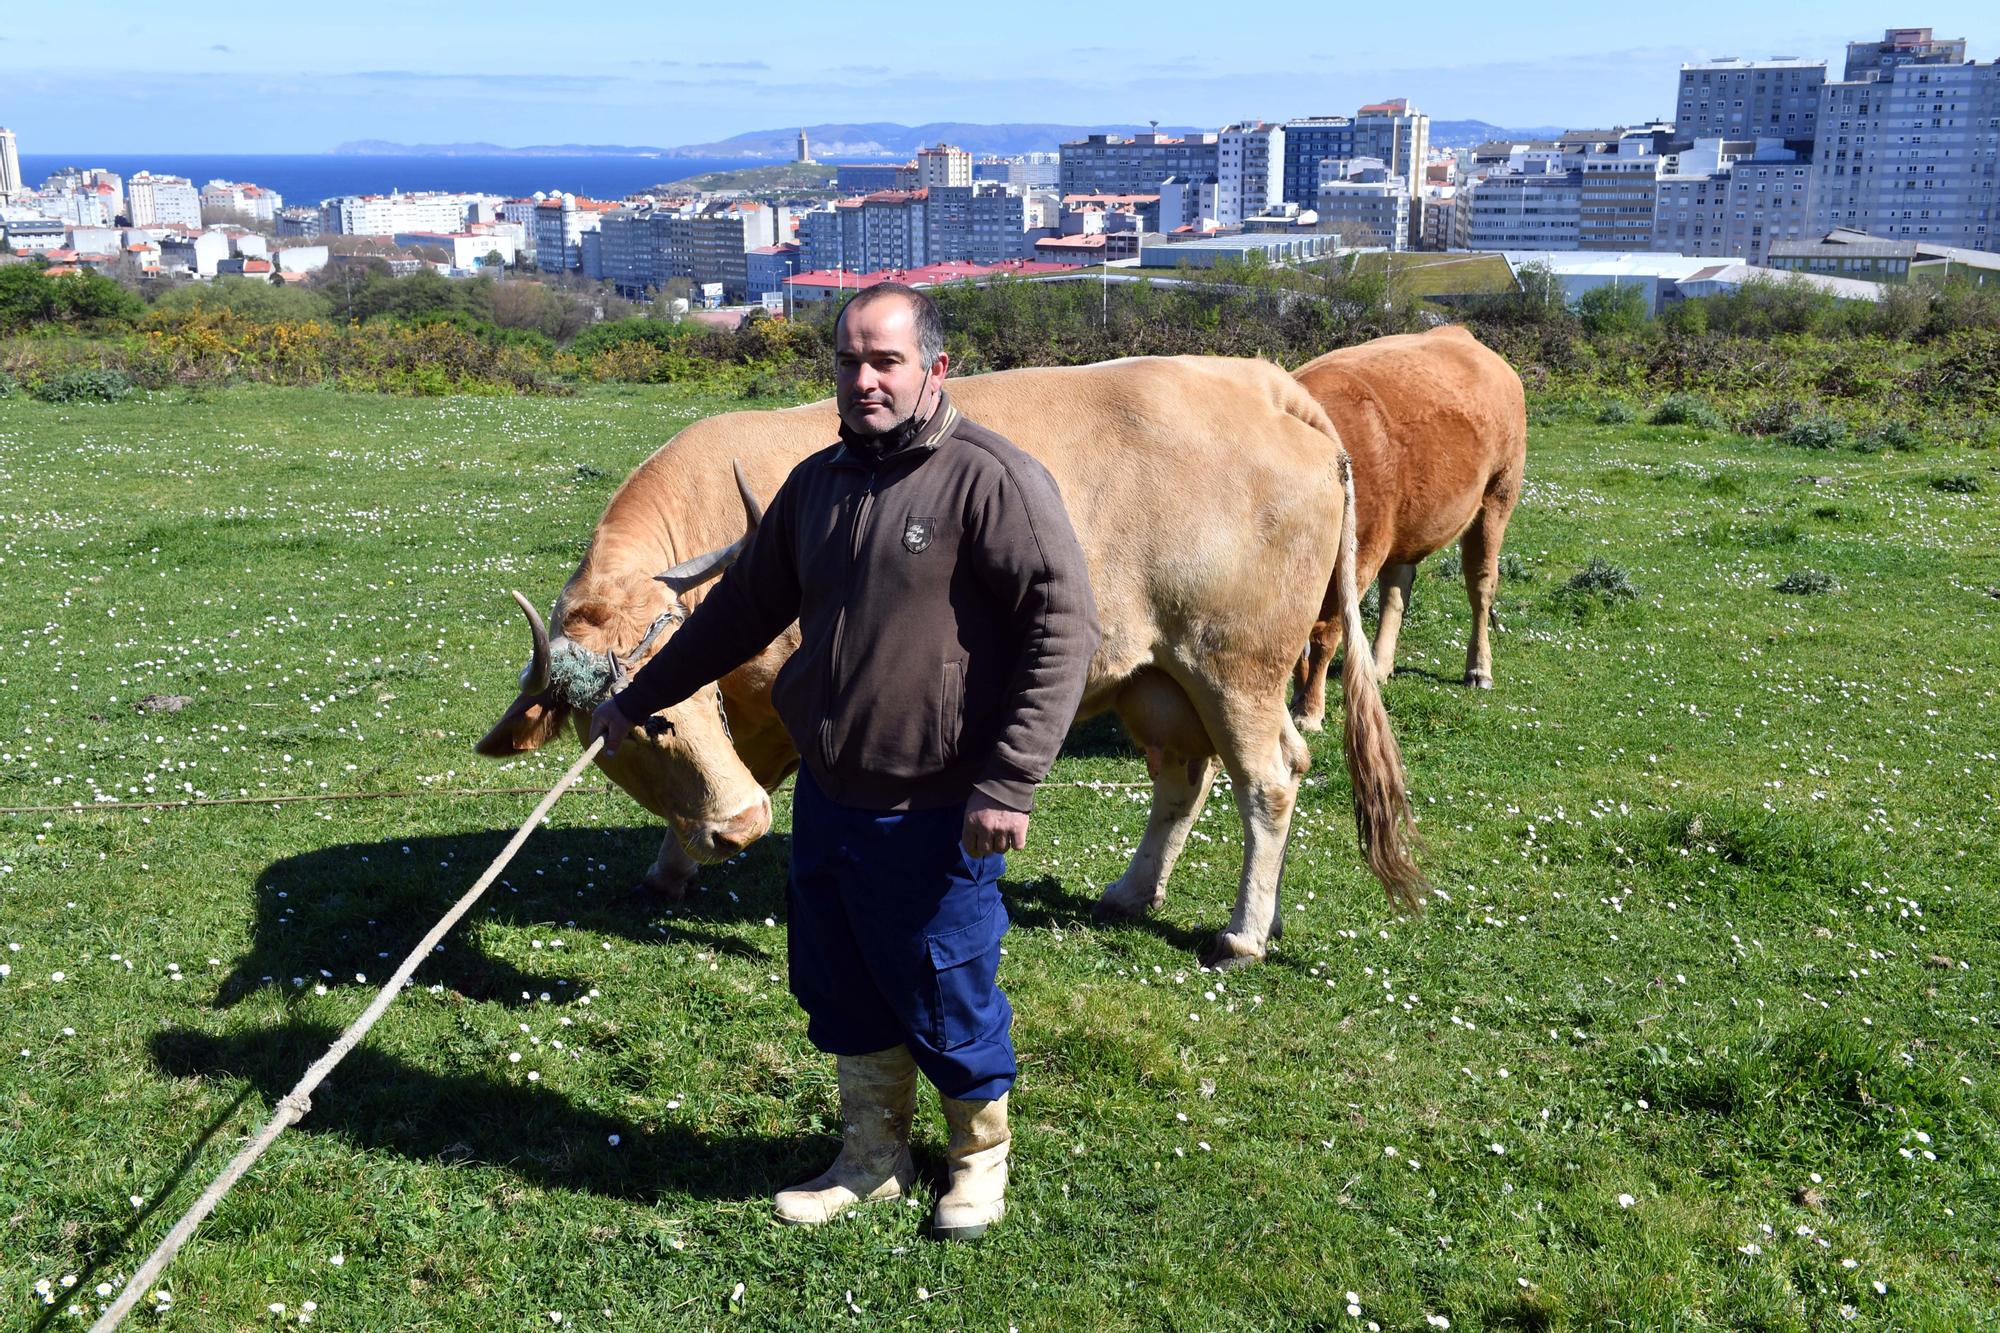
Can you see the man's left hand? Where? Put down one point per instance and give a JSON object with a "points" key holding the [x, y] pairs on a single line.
{"points": [[991, 828]]}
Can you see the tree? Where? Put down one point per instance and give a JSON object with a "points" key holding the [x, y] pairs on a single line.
{"points": [[26, 297], [1613, 309]]}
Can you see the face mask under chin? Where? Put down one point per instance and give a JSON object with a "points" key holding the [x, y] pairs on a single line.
{"points": [[874, 446]]}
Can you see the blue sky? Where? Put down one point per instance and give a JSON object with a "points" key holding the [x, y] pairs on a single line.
{"points": [[154, 78]]}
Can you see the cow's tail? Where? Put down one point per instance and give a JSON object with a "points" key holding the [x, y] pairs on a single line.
{"points": [[1382, 818]]}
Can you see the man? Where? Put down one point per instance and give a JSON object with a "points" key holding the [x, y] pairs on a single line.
{"points": [[946, 625]]}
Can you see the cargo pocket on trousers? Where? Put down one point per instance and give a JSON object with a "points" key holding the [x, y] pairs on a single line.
{"points": [[965, 1001]]}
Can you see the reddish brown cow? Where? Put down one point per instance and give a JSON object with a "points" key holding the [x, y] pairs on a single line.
{"points": [[1437, 426]]}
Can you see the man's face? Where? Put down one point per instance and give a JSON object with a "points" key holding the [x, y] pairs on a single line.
{"points": [[880, 377]]}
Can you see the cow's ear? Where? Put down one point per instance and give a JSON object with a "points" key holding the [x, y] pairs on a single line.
{"points": [[526, 726]]}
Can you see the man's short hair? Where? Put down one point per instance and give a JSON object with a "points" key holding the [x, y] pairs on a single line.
{"points": [[930, 324]]}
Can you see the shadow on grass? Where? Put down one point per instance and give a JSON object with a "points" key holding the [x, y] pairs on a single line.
{"points": [[381, 1103], [101, 1256], [331, 914]]}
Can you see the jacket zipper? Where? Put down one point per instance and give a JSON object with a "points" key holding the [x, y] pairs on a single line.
{"points": [[856, 527]]}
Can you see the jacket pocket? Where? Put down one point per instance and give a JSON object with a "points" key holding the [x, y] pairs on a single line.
{"points": [[966, 1004], [951, 711]]}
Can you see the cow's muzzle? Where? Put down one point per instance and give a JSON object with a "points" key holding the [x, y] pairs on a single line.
{"points": [[709, 841]]}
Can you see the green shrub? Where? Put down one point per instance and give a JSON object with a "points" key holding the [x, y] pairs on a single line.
{"points": [[1687, 409], [1772, 418], [7, 385], [1889, 435], [84, 386], [1957, 483], [1617, 412], [1818, 431]]}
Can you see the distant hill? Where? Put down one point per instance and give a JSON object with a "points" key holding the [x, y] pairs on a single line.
{"points": [[383, 148], [882, 139], [1472, 133]]}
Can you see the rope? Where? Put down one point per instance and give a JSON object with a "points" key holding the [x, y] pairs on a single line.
{"points": [[296, 1103]]}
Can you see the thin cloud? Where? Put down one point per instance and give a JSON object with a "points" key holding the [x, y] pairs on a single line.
{"points": [[225, 50], [732, 64]]}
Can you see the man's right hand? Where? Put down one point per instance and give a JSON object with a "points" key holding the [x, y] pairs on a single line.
{"points": [[610, 722]]}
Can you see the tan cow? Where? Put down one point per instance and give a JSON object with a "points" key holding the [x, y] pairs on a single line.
{"points": [[1438, 429], [1190, 482]]}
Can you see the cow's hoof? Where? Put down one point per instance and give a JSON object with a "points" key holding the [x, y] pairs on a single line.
{"points": [[1111, 908], [1478, 680], [672, 888], [1310, 725], [1226, 951]]}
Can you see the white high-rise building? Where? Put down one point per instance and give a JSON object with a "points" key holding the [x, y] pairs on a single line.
{"points": [[10, 166], [162, 201], [943, 166], [1250, 171]]}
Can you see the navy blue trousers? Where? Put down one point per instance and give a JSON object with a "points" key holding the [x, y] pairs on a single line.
{"points": [[894, 935]]}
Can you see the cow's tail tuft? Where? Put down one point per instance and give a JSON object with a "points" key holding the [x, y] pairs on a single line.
{"points": [[1382, 818]]}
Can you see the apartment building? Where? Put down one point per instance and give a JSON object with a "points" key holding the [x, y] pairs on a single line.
{"points": [[1108, 164], [11, 183], [1731, 98], [252, 201], [1901, 46], [1537, 207], [943, 166], [1912, 153], [387, 214], [1616, 197], [162, 201], [1250, 169], [1363, 204], [1393, 131], [983, 224]]}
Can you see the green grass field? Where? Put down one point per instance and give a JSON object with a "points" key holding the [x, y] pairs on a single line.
{"points": [[1699, 1032]]}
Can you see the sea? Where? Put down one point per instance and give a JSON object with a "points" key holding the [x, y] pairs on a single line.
{"points": [[309, 178]]}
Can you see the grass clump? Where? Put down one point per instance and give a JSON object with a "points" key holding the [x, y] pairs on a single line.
{"points": [[1818, 431], [1687, 409], [1598, 582], [1956, 483], [1617, 412], [1805, 583]]}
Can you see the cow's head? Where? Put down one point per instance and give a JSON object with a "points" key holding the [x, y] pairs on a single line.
{"points": [[682, 764]]}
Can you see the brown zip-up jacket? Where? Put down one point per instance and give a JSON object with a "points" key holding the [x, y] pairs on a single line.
{"points": [[946, 623]]}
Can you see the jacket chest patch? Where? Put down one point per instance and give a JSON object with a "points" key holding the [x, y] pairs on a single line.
{"points": [[917, 534]]}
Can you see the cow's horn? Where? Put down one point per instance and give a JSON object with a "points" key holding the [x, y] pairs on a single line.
{"points": [[753, 513], [536, 678], [693, 573]]}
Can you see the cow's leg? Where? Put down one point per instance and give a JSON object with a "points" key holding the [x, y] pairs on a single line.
{"points": [[673, 870], [1479, 553], [1397, 580], [1180, 790], [1309, 677], [1157, 713], [1265, 757]]}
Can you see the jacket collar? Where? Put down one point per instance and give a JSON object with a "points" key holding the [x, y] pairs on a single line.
{"points": [[944, 418]]}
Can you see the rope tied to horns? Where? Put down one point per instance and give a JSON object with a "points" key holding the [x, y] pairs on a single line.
{"points": [[294, 1105]]}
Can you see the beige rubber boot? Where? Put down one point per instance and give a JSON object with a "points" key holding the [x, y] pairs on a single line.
{"points": [[877, 1097], [978, 1157]]}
